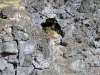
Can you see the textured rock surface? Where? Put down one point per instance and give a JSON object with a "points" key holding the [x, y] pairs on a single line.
{"points": [[27, 49]]}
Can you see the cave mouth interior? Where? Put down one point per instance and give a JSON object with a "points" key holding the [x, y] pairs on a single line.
{"points": [[52, 25]]}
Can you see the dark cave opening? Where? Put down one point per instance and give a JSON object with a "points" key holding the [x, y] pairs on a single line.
{"points": [[52, 25]]}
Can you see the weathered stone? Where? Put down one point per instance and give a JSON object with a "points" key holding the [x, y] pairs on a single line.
{"points": [[24, 70], [7, 38], [38, 72], [78, 65], [95, 51], [39, 62], [97, 44], [49, 73], [86, 22], [9, 70], [12, 59], [9, 47], [3, 64], [27, 60], [19, 35], [98, 28], [27, 47]]}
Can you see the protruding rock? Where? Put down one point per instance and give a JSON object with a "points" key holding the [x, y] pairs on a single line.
{"points": [[9, 47]]}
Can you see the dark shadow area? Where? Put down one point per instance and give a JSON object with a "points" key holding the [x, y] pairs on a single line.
{"points": [[15, 65], [3, 16], [65, 0], [63, 43], [97, 39], [76, 20], [52, 24], [4, 54]]}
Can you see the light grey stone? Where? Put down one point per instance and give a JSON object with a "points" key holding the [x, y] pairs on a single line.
{"points": [[98, 28], [86, 22], [9, 70], [27, 47], [39, 62], [19, 35], [49, 12], [56, 67], [96, 51], [43, 53], [49, 73], [19, 32], [96, 62], [9, 47], [0, 40], [8, 38], [27, 61], [97, 44], [24, 70], [78, 65], [41, 65], [21, 53], [1, 48], [8, 29], [12, 59], [3, 64], [38, 72]]}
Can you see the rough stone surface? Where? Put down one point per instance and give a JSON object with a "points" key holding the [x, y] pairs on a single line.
{"points": [[9, 47], [26, 48], [24, 70], [3, 64]]}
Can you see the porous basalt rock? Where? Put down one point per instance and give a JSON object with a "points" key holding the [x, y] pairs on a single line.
{"points": [[32, 40]]}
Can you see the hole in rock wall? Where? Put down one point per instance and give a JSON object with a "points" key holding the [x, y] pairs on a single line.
{"points": [[52, 25]]}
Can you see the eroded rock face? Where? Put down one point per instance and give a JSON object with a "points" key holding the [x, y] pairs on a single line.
{"points": [[27, 48]]}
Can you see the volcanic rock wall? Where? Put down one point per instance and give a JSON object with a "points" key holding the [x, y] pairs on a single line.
{"points": [[27, 49]]}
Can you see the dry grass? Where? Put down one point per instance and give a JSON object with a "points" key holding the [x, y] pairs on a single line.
{"points": [[51, 34], [5, 3]]}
